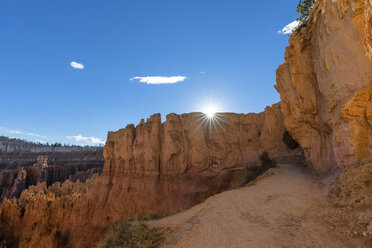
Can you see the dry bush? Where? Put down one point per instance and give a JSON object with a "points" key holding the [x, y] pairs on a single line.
{"points": [[131, 235]]}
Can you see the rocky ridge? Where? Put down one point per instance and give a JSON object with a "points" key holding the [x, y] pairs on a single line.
{"points": [[158, 168]]}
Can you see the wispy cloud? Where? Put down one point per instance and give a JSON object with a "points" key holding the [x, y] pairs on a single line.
{"points": [[159, 80], [25, 133], [80, 138], [14, 132], [77, 65], [289, 28]]}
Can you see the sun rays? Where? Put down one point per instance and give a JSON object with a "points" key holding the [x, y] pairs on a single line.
{"points": [[210, 111], [211, 118]]}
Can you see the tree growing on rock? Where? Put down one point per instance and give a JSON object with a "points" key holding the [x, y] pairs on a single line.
{"points": [[304, 8]]}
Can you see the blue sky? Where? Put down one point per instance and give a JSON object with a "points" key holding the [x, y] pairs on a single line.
{"points": [[223, 53]]}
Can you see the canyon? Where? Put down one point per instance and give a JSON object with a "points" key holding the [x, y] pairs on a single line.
{"points": [[23, 164], [16, 153], [155, 167], [159, 168]]}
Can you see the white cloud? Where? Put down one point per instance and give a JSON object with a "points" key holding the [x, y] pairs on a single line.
{"points": [[86, 139], [15, 132], [289, 28], [35, 135], [159, 80], [24, 133], [76, 65]]}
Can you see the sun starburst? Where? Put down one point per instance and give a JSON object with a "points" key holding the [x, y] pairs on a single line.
{"points": [[210, 111]]}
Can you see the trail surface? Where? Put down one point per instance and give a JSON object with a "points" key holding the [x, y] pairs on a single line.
{"points": [[282, 208]]}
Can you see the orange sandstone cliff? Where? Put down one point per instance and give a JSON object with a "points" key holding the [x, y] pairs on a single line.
{"points": [[325, 85], [155, 167]]}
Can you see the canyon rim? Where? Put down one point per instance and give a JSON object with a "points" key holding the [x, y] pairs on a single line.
{"points": [[165, 168]]}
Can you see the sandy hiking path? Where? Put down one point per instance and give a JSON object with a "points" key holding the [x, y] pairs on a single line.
{"points": [[282, 208]]}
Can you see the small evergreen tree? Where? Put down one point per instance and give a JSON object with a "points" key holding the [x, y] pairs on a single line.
{"points": [[304, 8], [266, 161]]}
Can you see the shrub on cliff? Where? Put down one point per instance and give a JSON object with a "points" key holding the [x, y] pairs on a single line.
{"points": [[128, 235], [304, 8], [256, 171], [266, 161]]}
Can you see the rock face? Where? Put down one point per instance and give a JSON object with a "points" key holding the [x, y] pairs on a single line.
{"points": [[155, 167], [185, 144], [325, 84], [14, 181]]}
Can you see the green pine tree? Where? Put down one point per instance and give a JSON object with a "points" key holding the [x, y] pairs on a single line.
{"points": [[304, 8]]}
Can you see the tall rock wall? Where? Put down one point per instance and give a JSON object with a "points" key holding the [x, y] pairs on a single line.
{"points": [[155, 167], [184, 143], [325, 84]]}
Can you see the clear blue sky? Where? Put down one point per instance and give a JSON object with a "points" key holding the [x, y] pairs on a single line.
{"points": [[228, 50]]}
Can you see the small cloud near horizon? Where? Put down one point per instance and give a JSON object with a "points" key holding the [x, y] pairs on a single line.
{"points": [[24, 133], [160, 80], [289, 28], [76, 65], [80, 138]]}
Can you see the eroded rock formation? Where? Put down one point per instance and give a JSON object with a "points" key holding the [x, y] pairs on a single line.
{"points": [[14, 181], [155, 167], [18, 169], [325, 84]]}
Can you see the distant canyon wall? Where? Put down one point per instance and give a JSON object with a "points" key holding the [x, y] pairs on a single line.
{"points": [[17, 158], [14, 181], [15, 153], [325, 85], [156, 167]]}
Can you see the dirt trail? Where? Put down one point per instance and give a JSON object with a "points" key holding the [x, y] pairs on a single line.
{"points": [[283, 208]]}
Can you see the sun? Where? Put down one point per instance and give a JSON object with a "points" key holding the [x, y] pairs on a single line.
{"points": [[210, 111]]}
